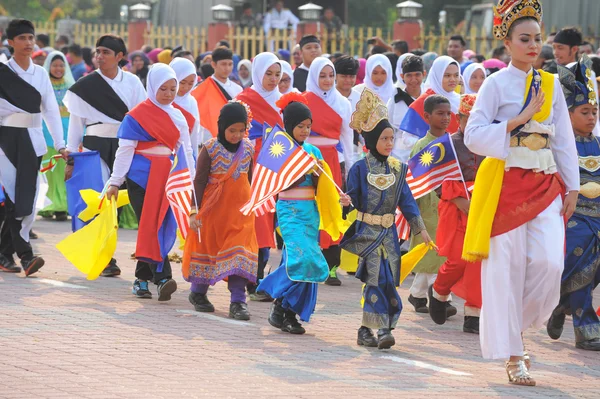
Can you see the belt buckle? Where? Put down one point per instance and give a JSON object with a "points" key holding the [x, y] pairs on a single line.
{"points": [[387, 220], [535, 142]]}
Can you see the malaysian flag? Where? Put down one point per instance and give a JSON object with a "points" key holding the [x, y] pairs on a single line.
{"points": [[281, 162], [426, 172], [179, 190]]}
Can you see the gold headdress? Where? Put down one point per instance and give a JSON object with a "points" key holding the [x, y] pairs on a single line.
{"points": [[508, 11], [370, 110]]}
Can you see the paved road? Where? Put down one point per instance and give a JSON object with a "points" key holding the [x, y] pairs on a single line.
{"points": [[62, 336]]}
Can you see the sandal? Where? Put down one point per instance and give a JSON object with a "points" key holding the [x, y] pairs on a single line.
{"points": [[527, 360], [518, 374]]}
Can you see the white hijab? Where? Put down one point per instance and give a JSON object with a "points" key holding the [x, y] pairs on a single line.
{"points": [[68, 76], [436, 76], [157, 76], [468, 73], [332, 97], [184, 68], [287, 69], [245, 82], [387, 90], [261, 63], [399, 82]]}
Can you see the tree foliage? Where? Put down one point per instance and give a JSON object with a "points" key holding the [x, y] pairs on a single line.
{"points": [[42, 9]]}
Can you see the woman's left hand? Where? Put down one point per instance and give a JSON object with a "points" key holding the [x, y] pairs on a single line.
{"points": [[569, 204]]}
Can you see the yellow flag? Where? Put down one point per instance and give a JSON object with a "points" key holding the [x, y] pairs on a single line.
{"points": [[349, 261], [410, 260], [330, 210], [92, 200], [92, 247]]}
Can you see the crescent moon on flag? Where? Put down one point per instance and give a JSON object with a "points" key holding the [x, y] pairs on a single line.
{"points": [[280, 133], [442, 152]]}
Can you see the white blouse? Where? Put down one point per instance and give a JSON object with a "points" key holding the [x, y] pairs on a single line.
{"points": [[501, 99]]}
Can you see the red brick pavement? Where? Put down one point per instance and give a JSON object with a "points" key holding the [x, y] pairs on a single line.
{"points": [[93, 339]]}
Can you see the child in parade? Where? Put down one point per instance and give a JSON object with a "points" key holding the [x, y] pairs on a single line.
{"points": [[457, 275], [185, 102], [438, 114], [294, 283], [582, 272], [376, 187], [148, 136], [227, 246]]}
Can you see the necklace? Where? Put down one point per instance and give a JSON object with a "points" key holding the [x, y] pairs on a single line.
{"points": [[381, 181]]}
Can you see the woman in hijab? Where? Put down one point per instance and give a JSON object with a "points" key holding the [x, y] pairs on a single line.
{"points": [[379, 77], [399, 82], [164, 56], [227, 246], [428, 59], [473, 78], [153, 55], [245, 73], [185, 70], [262, 99], [286, 84], [362, 70], [139, 65], [61, 78], [331, 128], [150, 133], [294, 283]]}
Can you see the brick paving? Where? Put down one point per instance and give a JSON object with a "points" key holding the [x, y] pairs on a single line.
{"points": [[62, 336]]}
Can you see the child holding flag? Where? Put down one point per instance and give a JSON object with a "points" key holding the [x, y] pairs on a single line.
{"points": [[376, 187], [438, 115], [227, 246]]}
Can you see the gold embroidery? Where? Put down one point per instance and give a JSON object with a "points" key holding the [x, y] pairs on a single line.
{"points": [[381, 181], [590, 190], [374, 299], [578, 251], [394, 302], [571, 224], [590, 163]]}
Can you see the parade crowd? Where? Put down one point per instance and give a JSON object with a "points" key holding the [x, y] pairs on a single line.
{"points": [[517, 236]]}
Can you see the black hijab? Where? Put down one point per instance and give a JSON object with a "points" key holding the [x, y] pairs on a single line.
{"points": [[372, 137], [231, 114], [293, 115]]}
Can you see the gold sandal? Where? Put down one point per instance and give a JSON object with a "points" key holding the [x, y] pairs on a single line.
{"points": [[527, 360], [518, 374]]}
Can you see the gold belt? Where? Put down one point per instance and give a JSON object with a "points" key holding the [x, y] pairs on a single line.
{"points": [[385, 221], [590, 190], [533, 141]]}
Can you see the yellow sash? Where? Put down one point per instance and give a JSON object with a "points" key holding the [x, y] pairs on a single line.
{"points": [[488, 184]]}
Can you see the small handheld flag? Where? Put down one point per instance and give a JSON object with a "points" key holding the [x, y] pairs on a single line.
{"points": [[179, 190]]}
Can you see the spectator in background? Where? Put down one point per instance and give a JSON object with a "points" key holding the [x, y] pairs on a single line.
{"points": [[153, 55], [223, 43], [147, 49], [478, 58], [586, 48], [378, 50], [332, 22], [284, 55], [566, 45], [140, 64], [78, 68], [456, 47], [61, 42], [245, 73], [501, 54], [296, 56], [550, 38], [43, 42], [394, 61], [333, 58], [184, 54], [428, 59], [248, 19], [88, 58], [546, 54], [39, 57], [400, 47], [310, 46], [279, 19]]}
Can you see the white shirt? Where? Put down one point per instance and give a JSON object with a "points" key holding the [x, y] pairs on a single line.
{"points": [[280, 20], [403, 142], [357, 152], [127, 86], [37, 77], [501, 98]]}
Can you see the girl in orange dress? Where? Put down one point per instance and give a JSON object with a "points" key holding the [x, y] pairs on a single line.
{"points": [[227, 247]]}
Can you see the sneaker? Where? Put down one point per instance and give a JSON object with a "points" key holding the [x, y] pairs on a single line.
{"points": [[450, 310], [555, 325], [140, 289], [260, 296], [385, 339], [333, 279], [366, 338], [8, 265], [471, 325], [201, 303], [166, 288], [112, 270], [32, 266], [291, 325], [239, 311], [276, 314], [437, 309], [420, 304]]}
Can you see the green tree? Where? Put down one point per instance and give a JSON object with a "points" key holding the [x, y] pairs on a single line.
{"points": [[41, 9]]}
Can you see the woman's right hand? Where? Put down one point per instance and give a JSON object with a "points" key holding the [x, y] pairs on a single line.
{"points": [[195, 224], [535, 105]]}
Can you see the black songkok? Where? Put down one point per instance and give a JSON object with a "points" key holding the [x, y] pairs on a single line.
{"points": [[19, 27], [113, 43], [346, 65], [309, 39]]}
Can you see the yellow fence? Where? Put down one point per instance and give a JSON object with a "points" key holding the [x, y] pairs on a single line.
{"points": [[250, 42]]}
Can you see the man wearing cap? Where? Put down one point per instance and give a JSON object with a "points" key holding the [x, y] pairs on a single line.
{"points": [[26, 98], [346, 69], [98, 103], [310, 46]]}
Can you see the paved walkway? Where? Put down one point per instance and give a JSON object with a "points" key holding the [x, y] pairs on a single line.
{"points": [[62, 336]]}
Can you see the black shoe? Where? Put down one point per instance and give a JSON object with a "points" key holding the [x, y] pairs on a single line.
{"points": [[437, 308], [260, 296], [366, 338], [291, 324], [8, 265], [166, 288], [140, 289], [333, 279], [33, 265], [420, 304], [61, 216], [201, 303], [555, 325], [239, 311], [385, 339], [276, 314], [590, 345], [32, 235], [112, 270], [450, 310], [471, 324]]}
